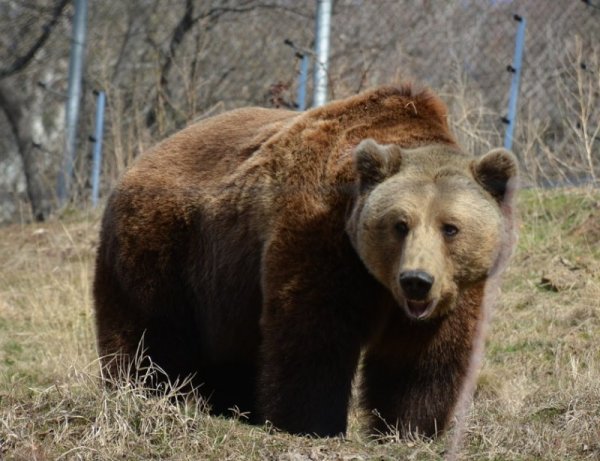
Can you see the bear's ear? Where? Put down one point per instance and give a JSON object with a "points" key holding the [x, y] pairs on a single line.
{"points": [[375, 162], [497, 172]]}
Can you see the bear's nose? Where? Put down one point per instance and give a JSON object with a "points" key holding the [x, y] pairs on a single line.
{"points": [[416, 284]]}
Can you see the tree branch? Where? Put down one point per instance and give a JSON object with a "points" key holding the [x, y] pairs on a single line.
{"points": [[22, 61], [186, 24]]}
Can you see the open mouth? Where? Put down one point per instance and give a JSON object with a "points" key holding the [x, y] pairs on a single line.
{"points": [[419, 309]]}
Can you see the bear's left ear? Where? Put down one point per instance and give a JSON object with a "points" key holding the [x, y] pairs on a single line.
{"points": [[496, 171], [375, 163]]}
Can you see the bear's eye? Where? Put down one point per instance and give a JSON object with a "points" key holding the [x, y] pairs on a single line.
{"points": [[401, 228], [449, 230]]}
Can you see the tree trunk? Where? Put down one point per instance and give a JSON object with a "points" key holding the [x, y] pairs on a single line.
{"points": [[37, 191]]}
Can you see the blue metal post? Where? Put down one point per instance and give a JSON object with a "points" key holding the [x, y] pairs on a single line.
{"points": [[97, 153], [301, 97], [516, 78]]}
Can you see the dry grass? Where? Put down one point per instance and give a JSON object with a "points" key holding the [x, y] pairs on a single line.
{"points": [[538, 395]]}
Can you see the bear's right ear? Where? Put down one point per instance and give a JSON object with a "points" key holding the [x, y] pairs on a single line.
{"points": [[375, 162]]}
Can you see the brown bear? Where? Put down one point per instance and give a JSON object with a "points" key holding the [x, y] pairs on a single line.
{"points": [[265, 253]]}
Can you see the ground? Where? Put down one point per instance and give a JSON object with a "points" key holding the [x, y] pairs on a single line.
{"points": [[537, 394]]}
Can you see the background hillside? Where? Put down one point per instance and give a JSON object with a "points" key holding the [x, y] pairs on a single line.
{"points": [[165, 64]]}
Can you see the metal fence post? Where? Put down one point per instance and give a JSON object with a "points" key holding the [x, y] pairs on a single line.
{"points": [[322, 52], [74, 98], [301, 96], [302, 54], [515, 69], [97, 152]]}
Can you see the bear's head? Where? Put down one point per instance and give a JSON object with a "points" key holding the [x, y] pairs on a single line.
{"points": [[430, 222]]}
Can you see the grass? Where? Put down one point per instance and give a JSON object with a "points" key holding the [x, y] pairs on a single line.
{"points": [[538, 394]]}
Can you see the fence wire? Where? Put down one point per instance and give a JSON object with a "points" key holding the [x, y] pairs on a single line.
{"points": [[164, 64], [470, 44]]}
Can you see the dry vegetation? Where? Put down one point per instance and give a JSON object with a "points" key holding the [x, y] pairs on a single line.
{"points": [[163, 64], [537, 395]]}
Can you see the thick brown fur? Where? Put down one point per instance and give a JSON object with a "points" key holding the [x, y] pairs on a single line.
{"points": [[248, 250]]}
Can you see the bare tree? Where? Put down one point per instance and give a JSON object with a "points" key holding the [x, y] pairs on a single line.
{"points": [[165, 64], [14, 106]]}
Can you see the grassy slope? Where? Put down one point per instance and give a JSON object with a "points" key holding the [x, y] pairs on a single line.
{"points": [[538, 395]]}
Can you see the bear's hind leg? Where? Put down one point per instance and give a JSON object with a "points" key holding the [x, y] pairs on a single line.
{"points": [[133, 335]]}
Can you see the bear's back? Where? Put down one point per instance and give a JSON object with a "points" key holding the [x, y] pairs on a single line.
{"points": [[149, 215], [211, 148]]}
